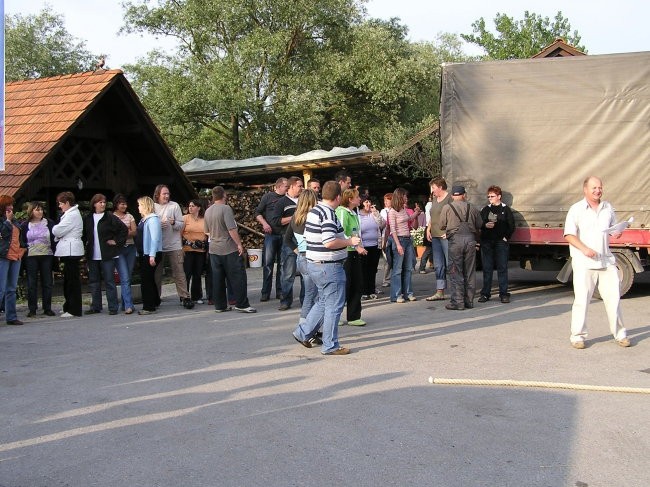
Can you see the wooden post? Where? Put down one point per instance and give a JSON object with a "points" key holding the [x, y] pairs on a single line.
{"points": [[306, 176]]}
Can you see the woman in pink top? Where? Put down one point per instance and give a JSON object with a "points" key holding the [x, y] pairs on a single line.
{"points": [[403, 251]]}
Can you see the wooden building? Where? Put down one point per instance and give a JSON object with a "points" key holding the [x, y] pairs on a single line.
{"points": [[558, 48], [86, 133]]}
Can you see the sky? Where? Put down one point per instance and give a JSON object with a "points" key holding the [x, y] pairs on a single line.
{"points": [[605, 27]]}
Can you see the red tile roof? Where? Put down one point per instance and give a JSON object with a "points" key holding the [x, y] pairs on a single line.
{"points": [[39, 113]]}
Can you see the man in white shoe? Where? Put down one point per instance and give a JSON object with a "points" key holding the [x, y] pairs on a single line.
{"points": [[225, 251], [592, 261]]}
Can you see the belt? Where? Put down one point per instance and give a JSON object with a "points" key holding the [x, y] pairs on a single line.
{"points": [[326, 261]]}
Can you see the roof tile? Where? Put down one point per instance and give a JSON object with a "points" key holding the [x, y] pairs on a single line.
{"points": [[39, 112]]}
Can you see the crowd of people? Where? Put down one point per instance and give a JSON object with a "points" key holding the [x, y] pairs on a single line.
{"points": [[111, 242], [333, 239]]}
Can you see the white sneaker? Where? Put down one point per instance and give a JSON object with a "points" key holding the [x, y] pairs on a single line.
{"points": [[66, 315], [199, 301], [250, 309]]}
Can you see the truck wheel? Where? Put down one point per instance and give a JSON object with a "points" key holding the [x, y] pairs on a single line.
{"points": [[625, 275]]}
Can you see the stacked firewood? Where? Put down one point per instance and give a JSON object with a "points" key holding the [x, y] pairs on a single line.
{"points": [[243, 204]]}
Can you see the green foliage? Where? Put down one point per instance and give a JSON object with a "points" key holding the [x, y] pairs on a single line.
{"points": [[521, 39], [255, 77], [39, 46]]}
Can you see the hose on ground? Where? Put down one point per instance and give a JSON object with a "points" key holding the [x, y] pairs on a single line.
{"points": [[546, 385]]}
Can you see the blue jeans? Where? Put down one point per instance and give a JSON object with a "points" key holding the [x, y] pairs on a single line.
{"points": [[330, 283], [494, 253], [271, 255], [400, 279], [9, 270], [439, 249], [229, 269], [125, 263], [288, 274], [97, 269], [39, 265], [308, 286]]}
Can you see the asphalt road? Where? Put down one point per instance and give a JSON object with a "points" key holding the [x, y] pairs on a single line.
{"points": [[195, 398]]}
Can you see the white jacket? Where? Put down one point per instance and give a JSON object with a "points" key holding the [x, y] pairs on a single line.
{"points": [[67, 234]]}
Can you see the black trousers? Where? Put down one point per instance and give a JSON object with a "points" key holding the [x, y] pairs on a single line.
{"points": [[353, 283], [229, 270], [71, 285], [150, 296], [369, 264], [193, 266]]}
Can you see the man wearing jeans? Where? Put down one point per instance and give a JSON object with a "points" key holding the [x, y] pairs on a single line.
{"points": [[284, 210], [326, 254], [226, 250], [272, 238], [586, 230], [498, 227]]}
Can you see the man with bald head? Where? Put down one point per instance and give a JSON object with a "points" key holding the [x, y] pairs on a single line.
{"points": [[592, 261]]}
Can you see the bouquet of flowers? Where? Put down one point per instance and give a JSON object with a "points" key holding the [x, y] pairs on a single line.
{"points": [[417, 237]]}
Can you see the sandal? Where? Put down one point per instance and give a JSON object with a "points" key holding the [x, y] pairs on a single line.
{"points": [[436, 297], [128, 311]]}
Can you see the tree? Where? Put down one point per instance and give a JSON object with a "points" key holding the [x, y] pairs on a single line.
{"points": [[236, 62], [524, 38], [39, 46], [253, 77]]}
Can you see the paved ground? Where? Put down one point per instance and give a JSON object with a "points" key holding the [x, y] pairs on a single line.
{"points": [[194, 398]]}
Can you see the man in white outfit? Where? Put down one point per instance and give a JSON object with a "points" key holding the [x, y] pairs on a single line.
{"points": [[593, 263]]}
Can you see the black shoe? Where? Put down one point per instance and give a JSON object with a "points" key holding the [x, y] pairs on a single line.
{"points": [[15, 322], [315, 341], [469, 305], [284, 307], [483, 299], [454, 307], [91, 311], [264, 298], [505, 299], [31, 314], [306, 343], [112, 312], [188, 303], [49, 312]]}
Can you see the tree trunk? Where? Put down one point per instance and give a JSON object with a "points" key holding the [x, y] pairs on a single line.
{"points": [[234, 124]]}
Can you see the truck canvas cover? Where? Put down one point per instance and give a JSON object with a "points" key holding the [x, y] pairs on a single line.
{"points": [[538, 127]]}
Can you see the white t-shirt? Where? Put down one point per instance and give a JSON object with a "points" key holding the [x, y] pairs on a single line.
{"points": [[589, 226]]}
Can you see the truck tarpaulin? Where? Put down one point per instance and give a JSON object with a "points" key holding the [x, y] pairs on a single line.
{"points": [[538, 127]]}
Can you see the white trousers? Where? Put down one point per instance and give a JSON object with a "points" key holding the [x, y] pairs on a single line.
{"points": [[584, 283]]}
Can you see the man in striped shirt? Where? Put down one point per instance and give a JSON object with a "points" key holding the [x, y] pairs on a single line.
{"points": [[326, 254]]}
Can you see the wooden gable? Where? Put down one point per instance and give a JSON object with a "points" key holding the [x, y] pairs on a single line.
{"points": [[85, 132]]}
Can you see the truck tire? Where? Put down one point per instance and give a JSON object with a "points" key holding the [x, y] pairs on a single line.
{"points": [[625, 274]]}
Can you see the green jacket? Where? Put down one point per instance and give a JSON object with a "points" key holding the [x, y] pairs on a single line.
{"points": [[349, 221]]}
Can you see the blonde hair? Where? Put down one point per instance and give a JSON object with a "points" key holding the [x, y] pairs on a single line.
{"points": [[306, 201], [147, 204], [348, 195]]}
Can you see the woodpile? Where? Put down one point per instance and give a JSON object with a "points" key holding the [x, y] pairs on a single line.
{"points": [[243, 204]]}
